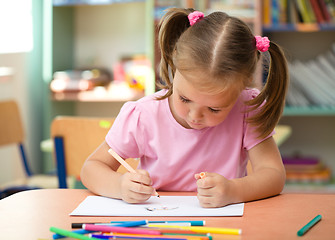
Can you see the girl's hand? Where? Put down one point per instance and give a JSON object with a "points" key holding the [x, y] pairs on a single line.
{"points": [[214, 190], [136, 187]]}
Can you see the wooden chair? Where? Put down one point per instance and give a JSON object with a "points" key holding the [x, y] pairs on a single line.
{"points": [[75, 138], [12, 132], [11, 129]]}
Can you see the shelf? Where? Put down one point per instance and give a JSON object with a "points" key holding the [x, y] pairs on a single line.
{"points": [[117, 92], [309, 111], [59, 3], [299, 28], [328, 188]]}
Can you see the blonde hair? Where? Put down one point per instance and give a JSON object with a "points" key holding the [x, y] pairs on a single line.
{"points": [[224, 48]]}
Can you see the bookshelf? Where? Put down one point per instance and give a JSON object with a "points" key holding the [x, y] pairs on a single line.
{"points": [[93, 34], [305, 42], [309, 111], [298, 27]]}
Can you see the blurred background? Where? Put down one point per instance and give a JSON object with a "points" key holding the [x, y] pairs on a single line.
{"points": [[88, 57]]}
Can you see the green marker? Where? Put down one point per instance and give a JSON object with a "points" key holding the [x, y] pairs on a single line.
{"points": [[66, 233], [309, 225]]}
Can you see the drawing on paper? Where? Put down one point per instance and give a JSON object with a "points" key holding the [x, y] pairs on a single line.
{"points": [[160, 208]]}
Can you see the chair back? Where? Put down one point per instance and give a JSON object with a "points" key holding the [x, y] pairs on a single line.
{"points": [[75, 138], [11, 128]]}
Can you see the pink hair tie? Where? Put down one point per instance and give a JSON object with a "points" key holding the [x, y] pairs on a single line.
{"points": [[262, 43], [195, 16]]}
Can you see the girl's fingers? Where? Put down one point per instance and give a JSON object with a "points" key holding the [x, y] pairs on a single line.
{"points": [[134, 197], [141, 176], [134, 192], [141, 188], [136, 186]]}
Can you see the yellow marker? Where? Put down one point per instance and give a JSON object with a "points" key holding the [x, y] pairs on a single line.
{"points": [[214, 230]]}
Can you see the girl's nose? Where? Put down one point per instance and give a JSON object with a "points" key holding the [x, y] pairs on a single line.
{"points": [[195, 115]]}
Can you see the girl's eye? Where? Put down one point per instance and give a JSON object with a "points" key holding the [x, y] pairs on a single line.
{"points": [[214, 110], [184, 99]]}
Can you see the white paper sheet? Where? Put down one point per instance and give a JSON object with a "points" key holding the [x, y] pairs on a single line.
{"points": [[163, 206]]}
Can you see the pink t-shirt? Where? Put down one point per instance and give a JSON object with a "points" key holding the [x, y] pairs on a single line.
{"points": [[172, 154]]}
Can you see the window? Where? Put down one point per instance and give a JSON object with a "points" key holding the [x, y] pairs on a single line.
{"points": [[16, 26]]}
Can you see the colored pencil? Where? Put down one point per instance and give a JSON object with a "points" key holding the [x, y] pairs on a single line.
{"points": [[232, 231], [309, 225], [124, 224], [132, 237], [120, 224], [184, 224], [78, 231], [125, 164], [102, 228], [203, 235], [66, 233], [173, 230], [193, 223], [80, 225], [168, 237], [154, 236]]}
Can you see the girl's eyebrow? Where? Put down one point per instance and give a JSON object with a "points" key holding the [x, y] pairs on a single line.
{"points": [[186, 98], [183, 96], [225, 106]]}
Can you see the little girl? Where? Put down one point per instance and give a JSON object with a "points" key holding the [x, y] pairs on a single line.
{"points": [[206, 118]]}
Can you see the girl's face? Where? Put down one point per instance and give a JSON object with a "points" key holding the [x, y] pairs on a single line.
{"points": [[196, 109]]}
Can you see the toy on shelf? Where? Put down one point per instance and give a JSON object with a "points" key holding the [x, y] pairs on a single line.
{"points": [[134, 70]]}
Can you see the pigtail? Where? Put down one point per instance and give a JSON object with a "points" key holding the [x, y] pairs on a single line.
{"points": [[274, 93], [171, 26]]}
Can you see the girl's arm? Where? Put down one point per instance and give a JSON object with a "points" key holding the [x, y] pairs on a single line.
{"points": [[267, 179], [268, 175], [99, 174]]}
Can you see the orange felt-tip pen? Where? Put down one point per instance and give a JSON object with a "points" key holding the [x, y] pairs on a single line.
{"points": [[202, 175]]}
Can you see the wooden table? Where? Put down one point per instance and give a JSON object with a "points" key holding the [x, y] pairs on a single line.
{"points": [[29, 215]]}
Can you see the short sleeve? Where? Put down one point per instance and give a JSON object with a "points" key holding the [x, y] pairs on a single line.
{"points": [[125, 137], [250, 134]]}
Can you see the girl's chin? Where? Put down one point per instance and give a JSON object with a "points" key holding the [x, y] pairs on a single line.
{"points": [[197, 126]]}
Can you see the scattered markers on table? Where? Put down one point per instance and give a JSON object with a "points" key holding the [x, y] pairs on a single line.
{"points": [[124, 229]]}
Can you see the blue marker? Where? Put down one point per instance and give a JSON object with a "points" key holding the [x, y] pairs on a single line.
{"points": [[117, 224], [193, 223]]}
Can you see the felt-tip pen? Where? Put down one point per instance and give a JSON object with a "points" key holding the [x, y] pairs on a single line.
{"points": [[193, 223]]}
